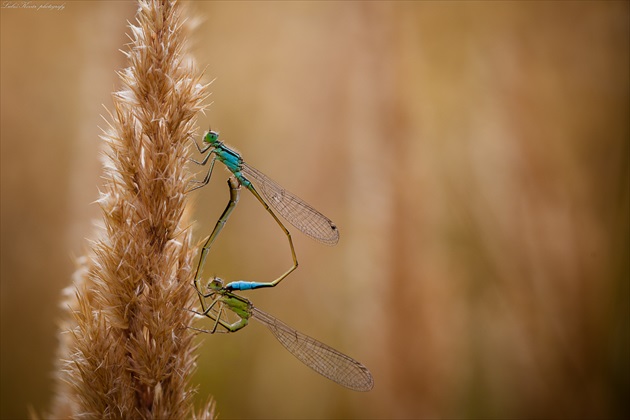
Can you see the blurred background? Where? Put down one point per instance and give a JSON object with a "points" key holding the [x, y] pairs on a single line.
{"points": [[475, 156]]}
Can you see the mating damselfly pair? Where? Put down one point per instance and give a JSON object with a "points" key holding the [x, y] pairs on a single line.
{"points": [[217, 299]]}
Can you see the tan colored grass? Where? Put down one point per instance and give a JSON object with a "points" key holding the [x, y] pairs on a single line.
{"points": [[128, 352]]}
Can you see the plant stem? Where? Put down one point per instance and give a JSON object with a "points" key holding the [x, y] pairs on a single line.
{"points": [[130, 353]]}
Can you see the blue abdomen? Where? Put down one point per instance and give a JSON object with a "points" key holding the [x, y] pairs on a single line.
{"points": [[242, 285]]}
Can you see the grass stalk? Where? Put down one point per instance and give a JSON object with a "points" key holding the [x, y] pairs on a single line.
{"points": [[127, 351]]}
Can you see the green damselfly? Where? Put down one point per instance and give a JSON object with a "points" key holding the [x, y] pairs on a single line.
{"points": [[320, 357], [323, 359]]}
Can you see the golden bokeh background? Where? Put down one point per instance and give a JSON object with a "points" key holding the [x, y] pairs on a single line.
{"points": [[475, 156]]}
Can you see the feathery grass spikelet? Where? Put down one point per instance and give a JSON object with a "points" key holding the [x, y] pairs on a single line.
{"points": [[129, 352]]}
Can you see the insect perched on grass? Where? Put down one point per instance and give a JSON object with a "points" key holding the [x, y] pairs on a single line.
{"points": [[299, 213], [323, 359]]}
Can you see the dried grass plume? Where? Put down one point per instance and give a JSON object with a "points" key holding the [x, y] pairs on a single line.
{"points": [[127, 351]]}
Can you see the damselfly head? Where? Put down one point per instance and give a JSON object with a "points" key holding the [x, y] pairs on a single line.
{"points": [[215, 284], [211, 137]]}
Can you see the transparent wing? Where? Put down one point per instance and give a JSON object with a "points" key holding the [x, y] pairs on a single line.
{"points": [[318, 356], [299, 213]]}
